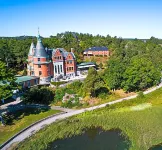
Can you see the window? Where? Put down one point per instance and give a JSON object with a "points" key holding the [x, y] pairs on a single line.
{"points": [[55, 69], [40, 73], [28, 82], [71, 68], [38, 59], [67, 69], [39, 66], [61, 68], [58, 69], [36, 81], [67, 62], [70, 62], [60, 57]]}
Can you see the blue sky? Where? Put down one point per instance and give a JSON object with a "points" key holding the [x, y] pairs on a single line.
{"points": [[122, 18]]}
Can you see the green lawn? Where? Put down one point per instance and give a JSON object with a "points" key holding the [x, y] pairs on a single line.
{"points": [[142, 127], [23, 119]]}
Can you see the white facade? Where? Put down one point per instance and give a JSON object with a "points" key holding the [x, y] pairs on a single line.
{"points": [[58, 69]]}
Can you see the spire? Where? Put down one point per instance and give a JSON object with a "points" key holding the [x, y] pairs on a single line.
{"points": [[40, 51], [38, 37], [31, 49], [38, 30]]}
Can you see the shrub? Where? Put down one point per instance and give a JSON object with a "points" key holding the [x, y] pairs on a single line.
{"points": [[58, 83], [43, 95], [7, 118], [72, 102]]}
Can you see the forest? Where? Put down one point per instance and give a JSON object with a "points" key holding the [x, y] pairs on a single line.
{"points": [[134, 64]]}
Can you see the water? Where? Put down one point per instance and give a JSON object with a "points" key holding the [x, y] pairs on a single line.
{"points": [[93, 139], [157, 147]]}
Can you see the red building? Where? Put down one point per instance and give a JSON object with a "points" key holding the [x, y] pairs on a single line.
{"points": [[50, 63], [64, 63], [96, 51]]}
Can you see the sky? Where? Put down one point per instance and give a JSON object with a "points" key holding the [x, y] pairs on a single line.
{"points": [[121, 18]]}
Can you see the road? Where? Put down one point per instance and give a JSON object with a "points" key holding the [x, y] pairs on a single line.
{"points": [[42, 124]]}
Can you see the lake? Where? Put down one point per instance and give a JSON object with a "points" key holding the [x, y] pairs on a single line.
{"points": [[93, 139]]}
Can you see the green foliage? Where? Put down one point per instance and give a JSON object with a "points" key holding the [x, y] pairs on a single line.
{"points": [[76, 86], [73, 88], [113, 73], [140, 74], [72, 102], [7, 118], [58, 83], [59, 93], [7, 81], [100, 65], [140, 95], [43, 95], [136, 66], [93, 83]]}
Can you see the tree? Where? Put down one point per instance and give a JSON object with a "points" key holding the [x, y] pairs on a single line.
{"points": [[7, 81], [140, 74], [39, 96], [93, 82], [114, 73]]}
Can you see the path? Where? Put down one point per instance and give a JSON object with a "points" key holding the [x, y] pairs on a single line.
{"points": [[42, 124]]}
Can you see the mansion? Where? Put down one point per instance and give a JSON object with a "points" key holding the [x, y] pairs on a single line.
{"points": [[50, 64]]}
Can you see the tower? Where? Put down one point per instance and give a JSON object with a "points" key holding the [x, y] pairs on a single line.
{"points": [[39, 63]]}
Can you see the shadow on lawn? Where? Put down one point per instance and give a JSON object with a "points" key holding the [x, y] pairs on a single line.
{"points": [[9, 117]]}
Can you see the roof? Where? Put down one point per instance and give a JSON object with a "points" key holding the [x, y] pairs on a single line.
{"points": [[102, 48], [31, 49], [63, 52], [40, 50], [86, 64], [20, 79]]}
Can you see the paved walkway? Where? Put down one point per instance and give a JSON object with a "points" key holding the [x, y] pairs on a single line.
{"points": [[42, 124]]}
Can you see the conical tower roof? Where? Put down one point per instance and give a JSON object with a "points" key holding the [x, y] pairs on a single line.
{"points": [[40, 51], [31, 49]]}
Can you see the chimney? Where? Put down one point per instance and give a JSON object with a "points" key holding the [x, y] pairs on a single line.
{"points": [[72, 50]]}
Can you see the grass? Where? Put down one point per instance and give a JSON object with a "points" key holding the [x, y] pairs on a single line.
{"points": [[23, 118], [143, 127]]}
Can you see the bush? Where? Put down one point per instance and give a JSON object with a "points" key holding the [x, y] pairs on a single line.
{"points": [[7, 118], [72, 102], [75, 87], [58, 83], [43, 95]]}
